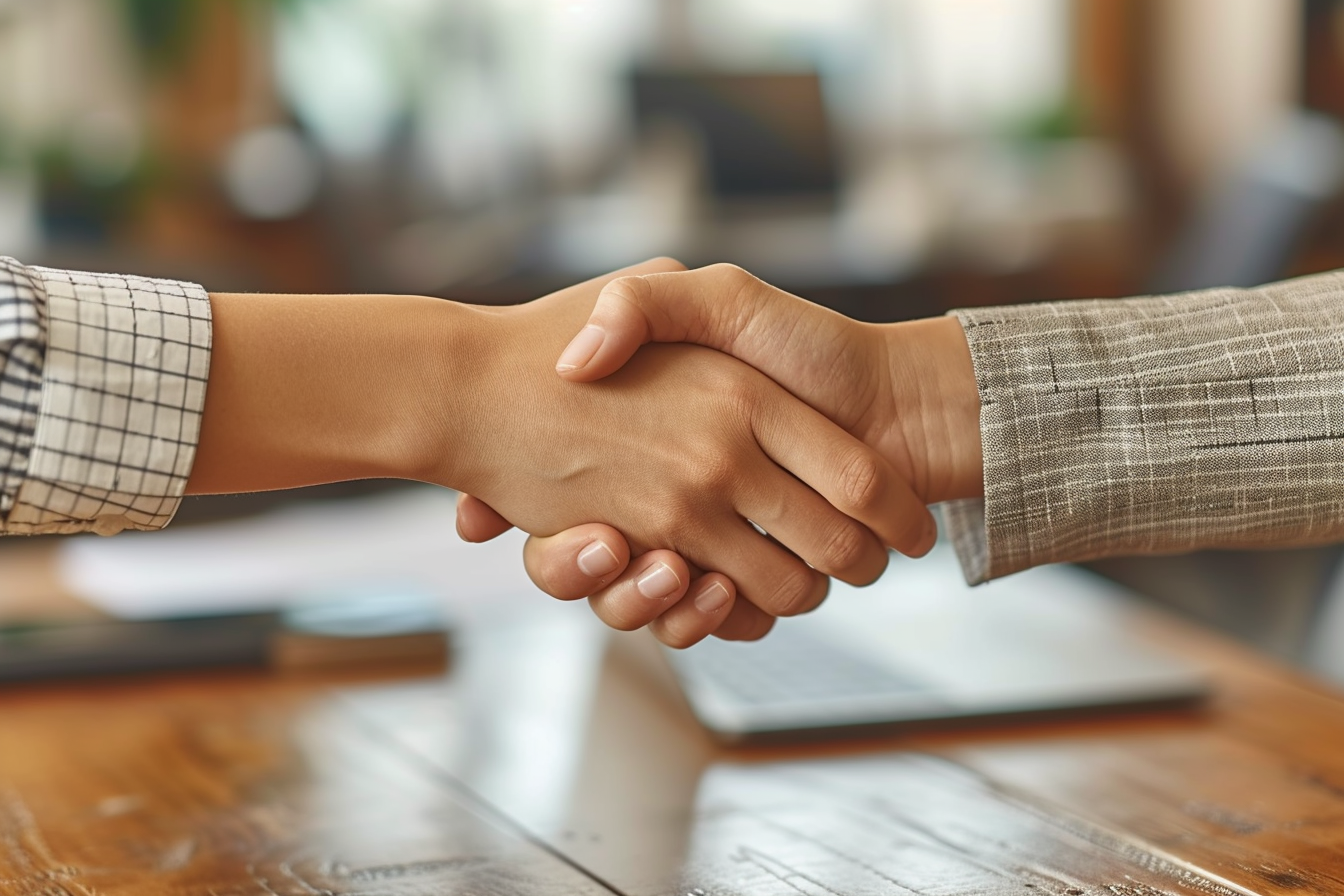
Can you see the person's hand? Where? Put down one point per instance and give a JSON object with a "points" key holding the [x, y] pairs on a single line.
{"points": [[906, 389], [680, 450], [593, 561]]}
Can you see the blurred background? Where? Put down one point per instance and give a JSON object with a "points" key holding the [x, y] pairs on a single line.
{"points": [[889, 158]]}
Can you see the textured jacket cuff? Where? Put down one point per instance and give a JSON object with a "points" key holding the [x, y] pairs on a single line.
{"points": [[964, 524], [1160, 425]]}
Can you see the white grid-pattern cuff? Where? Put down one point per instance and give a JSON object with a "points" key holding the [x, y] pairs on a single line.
{"points": [[123, 389]]}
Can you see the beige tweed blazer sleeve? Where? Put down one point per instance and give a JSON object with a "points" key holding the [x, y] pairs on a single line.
{"points": [[1156, 425]]}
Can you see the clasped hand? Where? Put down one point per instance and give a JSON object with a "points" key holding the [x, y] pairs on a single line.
{"points": [[678, 450]]}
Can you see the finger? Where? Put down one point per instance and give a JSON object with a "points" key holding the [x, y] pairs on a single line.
{"points": [[707, 604], [767, 575], [802, 521], [654, 582], [746, 622], [651, 268], [577, 562], [715, 306], [660, 265], [477, 521], [856, 480]]}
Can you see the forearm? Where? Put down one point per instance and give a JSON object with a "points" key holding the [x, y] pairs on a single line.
{"points": [[1160, 425], [311, 389]]}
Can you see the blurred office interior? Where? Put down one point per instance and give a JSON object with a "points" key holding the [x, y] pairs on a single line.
{"points": [[889, 158]]}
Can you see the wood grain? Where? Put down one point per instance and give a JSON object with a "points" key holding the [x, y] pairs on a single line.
{"points": [[555, 760], [1245, 795], [238, 785]]}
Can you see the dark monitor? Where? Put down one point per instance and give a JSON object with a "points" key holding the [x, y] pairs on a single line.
{"points": [[766, 136]]}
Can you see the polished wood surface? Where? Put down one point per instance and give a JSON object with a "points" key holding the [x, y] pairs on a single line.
{"points": [[552, 758]]}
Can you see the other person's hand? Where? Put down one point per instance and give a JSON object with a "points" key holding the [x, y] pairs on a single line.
{"points": [[680, 450], [594, 561], [907, 389]]}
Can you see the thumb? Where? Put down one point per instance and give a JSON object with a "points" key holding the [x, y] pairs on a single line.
{"points": [[712, 306], [616, 329]]}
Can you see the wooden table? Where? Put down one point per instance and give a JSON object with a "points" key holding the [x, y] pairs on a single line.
{"points": [[553, 759]]}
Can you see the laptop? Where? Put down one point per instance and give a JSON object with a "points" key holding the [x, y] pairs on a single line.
{"points": [[920, 647], [766, 135]]}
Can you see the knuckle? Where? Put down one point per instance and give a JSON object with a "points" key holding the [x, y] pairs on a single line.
{"points": [[741, 408], [801, 590], [738, 286], [861, 481], [617, 614], [667, 261], [739, 389], [712, 472], [732, 276], [676, 637], [682, 518], [673, 508], [845, 548], [632, 290]]}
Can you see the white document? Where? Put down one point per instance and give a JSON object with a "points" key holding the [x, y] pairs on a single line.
{"points": [[403, 539]]}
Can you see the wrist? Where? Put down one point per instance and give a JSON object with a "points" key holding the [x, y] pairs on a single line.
{"points": [[451, 362], [937, 405]]}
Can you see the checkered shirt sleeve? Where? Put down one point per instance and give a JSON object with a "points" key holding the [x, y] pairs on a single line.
{"points": [[102, 385], [1156, 425]]}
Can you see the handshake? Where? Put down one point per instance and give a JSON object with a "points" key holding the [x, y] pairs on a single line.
{"points": [[712, 486]]}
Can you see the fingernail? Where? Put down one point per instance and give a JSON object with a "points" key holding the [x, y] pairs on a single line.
{"points": [[598, 560], [659, 583], [581, 349], [712, 599]]}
